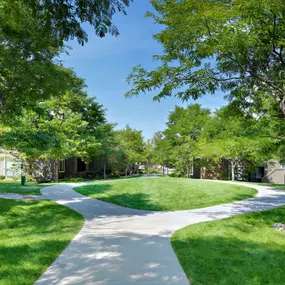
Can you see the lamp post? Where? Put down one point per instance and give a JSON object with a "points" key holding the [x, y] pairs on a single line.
{"points": [[23, 177]]}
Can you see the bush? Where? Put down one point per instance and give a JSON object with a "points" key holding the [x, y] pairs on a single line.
{"points": [[30, 178], [151, 171], [113, 175], [2, 177], [14, 178], [176, 175], [72, 180]]}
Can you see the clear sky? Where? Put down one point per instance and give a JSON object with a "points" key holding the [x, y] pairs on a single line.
{"points": [[105, 64]]}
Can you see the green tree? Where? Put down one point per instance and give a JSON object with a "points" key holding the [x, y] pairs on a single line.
{"points": [[235, 46], [110, 153], [58, 129], [148, 153], [162, 150], [132, 144], [235, 137], [33, 35], [184, 128]]}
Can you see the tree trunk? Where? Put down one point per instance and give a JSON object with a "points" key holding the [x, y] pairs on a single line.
{"points": [[163, 169], [126, 172], [6, 167], [56, 168], [138, 169], [282, 106], [233, 171], [104, 170], [147, 167], [279, 101]]}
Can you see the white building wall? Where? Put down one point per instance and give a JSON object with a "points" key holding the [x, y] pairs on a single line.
{"points": [[5, 166], [2, 166]]}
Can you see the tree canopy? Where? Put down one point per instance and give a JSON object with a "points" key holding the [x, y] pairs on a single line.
{"points": [[235, 46], [33, 34]]}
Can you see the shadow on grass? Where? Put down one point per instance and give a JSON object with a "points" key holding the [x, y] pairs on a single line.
{"points": [[239, 250], [33, 234], [17, 188], [242, 196], [140, 201], [217, 260]]}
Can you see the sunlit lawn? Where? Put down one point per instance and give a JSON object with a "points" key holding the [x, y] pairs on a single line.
{"points": [[17, 188], [277, 186], [32, 235], [165, 193], [239, 250]]}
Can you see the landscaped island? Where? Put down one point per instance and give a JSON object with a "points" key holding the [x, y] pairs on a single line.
{"points": [[240, 250], [165, 193]]}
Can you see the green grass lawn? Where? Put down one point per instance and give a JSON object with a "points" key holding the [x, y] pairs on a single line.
{"points": [[278, 186], [32, 235], [239, 250], [165, 193], [17, 188]]}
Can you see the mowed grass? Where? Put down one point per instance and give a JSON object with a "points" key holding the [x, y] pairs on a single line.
{"points": [[239, 250], [278, 186], [32, 235], [271, 185], [165, 193], [17, 188]]}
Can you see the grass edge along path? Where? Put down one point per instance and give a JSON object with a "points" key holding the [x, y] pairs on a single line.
{"points": [[15, 187], [33, 234], [239, 250]]}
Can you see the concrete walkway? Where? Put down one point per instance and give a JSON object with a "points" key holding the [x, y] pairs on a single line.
{"points": [[123, 246]]}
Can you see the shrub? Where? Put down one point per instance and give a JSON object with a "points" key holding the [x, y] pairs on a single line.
{"points": [[14, 178], [72, 180], [2, 177]]}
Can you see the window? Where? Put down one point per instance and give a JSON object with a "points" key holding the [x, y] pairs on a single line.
{"points": [[62, 165], [282, 165]]}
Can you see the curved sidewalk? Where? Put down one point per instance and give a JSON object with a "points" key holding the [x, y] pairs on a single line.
{"points": [[122, 246]]}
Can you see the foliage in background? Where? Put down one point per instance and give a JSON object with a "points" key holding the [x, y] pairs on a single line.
{"points": [[132, 144]]}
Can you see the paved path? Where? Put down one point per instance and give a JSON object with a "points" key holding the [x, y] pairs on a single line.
{"points": [[121, 246]]}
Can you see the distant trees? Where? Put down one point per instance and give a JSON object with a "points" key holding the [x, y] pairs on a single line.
{"points": [[148, 154], [161, 150], [179, 143], [132, 145], [242, 136], [232, 136]]}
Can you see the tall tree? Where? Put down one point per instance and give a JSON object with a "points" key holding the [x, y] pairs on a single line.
{"points": [[162, 150], [58, 129], [148, 153], [228, 45], [131, 142], [32, 37], [184, 128], [236, 137]]}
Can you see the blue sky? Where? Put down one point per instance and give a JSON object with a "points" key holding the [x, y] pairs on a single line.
{"points": [[105, 64]]}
